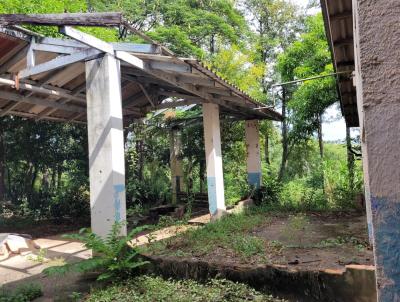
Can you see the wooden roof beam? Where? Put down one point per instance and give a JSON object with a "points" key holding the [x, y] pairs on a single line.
{"points": [[38, 101], [33, 116], [180, 103], [14, 60], [343, 42], [72, 19], [139, 64], [341, 16], [48, 111], [45, 89]]}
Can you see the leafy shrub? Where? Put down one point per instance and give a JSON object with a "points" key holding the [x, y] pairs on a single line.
{"points": [[24, 293], [113, 258], [248, 246], [74, 202], [297, 195], [268, 193]]}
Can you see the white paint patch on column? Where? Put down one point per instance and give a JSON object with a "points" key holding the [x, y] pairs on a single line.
{"points": [[106, 144], [254, 174], [212, 141]]}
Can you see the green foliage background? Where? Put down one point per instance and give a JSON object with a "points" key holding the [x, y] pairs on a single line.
{"points": [[251, 46]]}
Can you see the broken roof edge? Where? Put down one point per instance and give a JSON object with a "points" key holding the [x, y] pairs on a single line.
{"points": [[82, 19]]}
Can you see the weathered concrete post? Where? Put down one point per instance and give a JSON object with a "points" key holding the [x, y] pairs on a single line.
{"points": [[176, 163], [106, 144], [254, 175], [215, 176], [377, 71]]}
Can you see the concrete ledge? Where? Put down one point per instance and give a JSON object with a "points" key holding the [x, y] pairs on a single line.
{"points": [[356, 283]]}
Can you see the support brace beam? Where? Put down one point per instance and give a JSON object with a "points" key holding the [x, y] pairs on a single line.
{"points": [[106, 144], [215, 176], [87, 39], [59, 62]]}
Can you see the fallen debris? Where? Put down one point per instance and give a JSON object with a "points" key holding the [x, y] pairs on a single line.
{"points": [[16, 244]]}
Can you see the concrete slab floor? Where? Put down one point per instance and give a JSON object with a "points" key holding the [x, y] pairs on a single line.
{"points": [[53, 250]]}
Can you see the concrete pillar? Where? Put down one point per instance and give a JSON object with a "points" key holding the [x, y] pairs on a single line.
{"points": [[176, 163], [106, 144], [377, 78], [254, 175], [215, 176]]}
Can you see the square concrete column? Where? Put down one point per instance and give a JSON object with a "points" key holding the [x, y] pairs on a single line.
{"points": [[215, 176], [377, 78], [176, 163], [106, 144], [254, 175]]}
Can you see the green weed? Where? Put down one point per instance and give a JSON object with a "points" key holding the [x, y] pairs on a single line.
{"points": [[229, 232], [150, 289], [24, 293], [114, 257]]}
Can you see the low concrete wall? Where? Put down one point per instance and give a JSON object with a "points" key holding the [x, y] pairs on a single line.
{"points": [[356, 284]]}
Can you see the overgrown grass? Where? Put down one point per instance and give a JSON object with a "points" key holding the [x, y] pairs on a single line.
{"points": [[24, 293], [230, 232], [152, 289]]}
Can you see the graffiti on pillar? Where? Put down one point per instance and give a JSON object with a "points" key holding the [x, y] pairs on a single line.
{"points": [[386, 221], [118, 191], [254, 179]]}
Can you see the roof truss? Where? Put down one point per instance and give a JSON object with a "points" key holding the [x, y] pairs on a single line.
{"points": [[157, 76]]}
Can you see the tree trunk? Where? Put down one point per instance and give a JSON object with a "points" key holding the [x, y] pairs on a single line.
{"points": [[321, 149], [2, 166], [140, 162], [202, 171], [320, 140], [190, 176], [35, 172], [285, 148], [212, 44], [53, 184], [350, 159], [266, 149], [45, 180], [59, 175], [28, 178]]}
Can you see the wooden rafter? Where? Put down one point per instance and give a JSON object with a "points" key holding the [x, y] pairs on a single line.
{"points": [[82, 19], [39, 101]]}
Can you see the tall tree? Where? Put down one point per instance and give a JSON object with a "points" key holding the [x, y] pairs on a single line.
{"points": [[308, 56]]}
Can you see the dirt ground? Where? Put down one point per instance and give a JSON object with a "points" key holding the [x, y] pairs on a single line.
{"points": [[42, 228], [328, 241], [321, 241]]}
